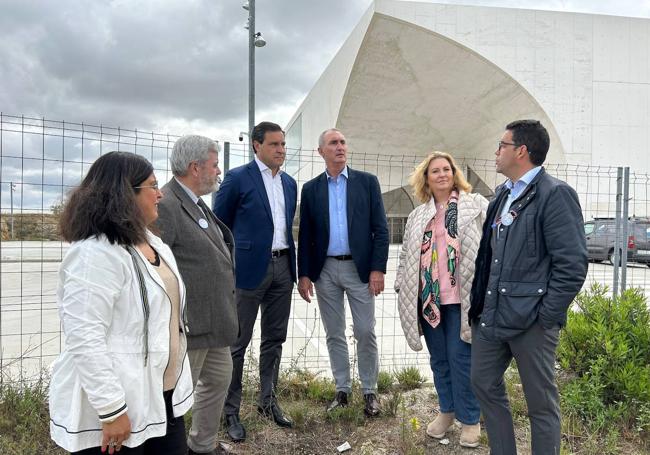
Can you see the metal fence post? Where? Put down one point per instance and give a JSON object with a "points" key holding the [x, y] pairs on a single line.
{"points": [[226, 157], [617, 238], [626, 234]]}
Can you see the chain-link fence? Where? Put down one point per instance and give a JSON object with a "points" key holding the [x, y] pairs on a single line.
{"points": [[40, 160]]}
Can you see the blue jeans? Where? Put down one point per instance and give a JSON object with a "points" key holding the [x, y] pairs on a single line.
{"points": [[451, 364]]}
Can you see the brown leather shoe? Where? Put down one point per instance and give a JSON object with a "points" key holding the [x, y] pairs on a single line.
{"points": [[340, 401], [372, 408]]}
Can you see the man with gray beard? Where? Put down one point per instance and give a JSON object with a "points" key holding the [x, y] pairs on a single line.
{"points": [[203, 247]]}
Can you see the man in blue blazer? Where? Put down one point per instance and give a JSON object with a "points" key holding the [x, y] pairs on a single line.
{"points": [[343, 248], [257, 202]]}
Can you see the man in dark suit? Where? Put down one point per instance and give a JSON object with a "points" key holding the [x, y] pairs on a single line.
{"points": [[203, 247], [258, 202], [343, 247], [531, 263]]}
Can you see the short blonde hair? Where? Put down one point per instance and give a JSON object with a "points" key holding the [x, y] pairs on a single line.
{"points": [[418, 179]]}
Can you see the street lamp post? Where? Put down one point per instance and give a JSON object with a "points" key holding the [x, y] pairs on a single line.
{"points": [[254, 40]]}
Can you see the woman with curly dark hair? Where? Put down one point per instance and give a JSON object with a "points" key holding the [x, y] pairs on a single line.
{"points": [[122, 382]]}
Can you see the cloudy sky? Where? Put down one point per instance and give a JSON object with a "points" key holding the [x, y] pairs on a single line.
{"points": [[180, 66], [169, 66]]}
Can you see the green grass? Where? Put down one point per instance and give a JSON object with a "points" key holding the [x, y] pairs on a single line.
{"points": [[24, 420]]}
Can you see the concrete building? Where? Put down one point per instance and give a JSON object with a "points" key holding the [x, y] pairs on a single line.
{"points": [[414, 77]]}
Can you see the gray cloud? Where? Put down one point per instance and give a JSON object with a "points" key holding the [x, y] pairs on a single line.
{"points": [[174, 66], [126, 63]]}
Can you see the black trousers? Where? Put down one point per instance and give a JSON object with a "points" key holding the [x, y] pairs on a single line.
{"points": [[173, 443], [273, 295]]}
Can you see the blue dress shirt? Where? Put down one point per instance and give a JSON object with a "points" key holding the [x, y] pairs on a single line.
{"points": [[337, 189], [518, 187]]}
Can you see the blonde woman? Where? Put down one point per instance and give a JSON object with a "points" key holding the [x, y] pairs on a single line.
{"points": [[434, 279]]}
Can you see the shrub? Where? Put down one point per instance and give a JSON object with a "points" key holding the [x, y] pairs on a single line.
{"points": [[409, 378], [606, 352], [384, 382], [393, 402], [24, 419]]}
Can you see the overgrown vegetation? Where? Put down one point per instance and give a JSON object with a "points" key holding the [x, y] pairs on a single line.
{"points": [[29, 226], [604, 382], [24, 420], [385, 382], [605, 354], [409, 378]]}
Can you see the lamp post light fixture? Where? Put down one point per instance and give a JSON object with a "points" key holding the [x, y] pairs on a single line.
{"points": [[254, 40]]}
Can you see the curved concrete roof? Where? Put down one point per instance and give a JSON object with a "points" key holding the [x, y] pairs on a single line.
{"points": [[412, 91]]}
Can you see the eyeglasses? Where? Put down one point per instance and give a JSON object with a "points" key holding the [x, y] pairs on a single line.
{"points": [[153, 186], [502, 144]]}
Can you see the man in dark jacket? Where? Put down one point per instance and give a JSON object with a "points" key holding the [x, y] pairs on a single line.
{"points": [[343, 247], [532, 261]]}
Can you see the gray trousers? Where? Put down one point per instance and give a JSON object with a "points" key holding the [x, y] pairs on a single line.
{"points": [[211, 372], [534, 351], [273, 295], [337, 278]]}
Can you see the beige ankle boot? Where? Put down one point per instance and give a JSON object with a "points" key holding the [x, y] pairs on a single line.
{"points": [[440, 425], [469, 435]]}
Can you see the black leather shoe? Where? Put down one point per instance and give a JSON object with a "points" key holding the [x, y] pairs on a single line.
{"points": [[273, 411], [340, 401], [372, 408], [235, 428]]}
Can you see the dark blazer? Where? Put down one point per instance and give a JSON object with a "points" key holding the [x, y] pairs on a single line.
{"points": [[205, 262], [535, 272], [367, 225], [242, 203]]}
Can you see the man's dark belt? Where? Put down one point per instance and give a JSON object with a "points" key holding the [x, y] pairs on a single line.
{"points": [[277, 253], [343, 257]]}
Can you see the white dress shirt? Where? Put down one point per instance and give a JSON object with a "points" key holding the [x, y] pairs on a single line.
{"points": [[275, 193]]}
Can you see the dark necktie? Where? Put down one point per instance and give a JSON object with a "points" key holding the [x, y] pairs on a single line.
{"points": [[204, 208]]}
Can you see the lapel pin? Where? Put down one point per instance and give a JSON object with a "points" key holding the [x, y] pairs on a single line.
{"points": [[203, 223]]}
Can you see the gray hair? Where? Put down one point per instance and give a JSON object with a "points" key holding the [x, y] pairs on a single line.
{"points": [[191, 148], [321, 138]]}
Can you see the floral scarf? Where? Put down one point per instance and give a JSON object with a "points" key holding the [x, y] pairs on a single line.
{"points": [[429, 280]]}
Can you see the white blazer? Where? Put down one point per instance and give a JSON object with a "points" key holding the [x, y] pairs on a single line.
{"points": [[102, 366]]}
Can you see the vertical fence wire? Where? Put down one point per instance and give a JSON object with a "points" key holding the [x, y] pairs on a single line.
{"points": [[46, 158]]}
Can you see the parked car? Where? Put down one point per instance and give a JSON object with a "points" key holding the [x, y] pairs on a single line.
{"points": [[601, 234]]}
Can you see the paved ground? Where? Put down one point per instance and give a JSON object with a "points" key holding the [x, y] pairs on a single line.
{"points": [[30, 334]]}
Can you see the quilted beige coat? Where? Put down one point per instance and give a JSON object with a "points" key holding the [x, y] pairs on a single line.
{"points": [[471, 215]]}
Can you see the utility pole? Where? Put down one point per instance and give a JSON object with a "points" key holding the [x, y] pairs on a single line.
{"points": [[254, 40]]}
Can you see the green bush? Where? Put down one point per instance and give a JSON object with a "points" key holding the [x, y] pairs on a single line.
{"points": [[24, 419], [384, 382], [605, 351], [409, 378]]}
